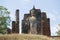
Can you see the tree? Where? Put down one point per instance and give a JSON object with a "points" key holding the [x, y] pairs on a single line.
{"points": [[58, 32], [4, 19]]}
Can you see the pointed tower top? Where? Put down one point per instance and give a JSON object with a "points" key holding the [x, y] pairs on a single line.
{"points": [[33, 7]]}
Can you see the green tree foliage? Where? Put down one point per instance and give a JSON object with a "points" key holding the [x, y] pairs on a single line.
{"points": [[4, 19], [58, 32]]}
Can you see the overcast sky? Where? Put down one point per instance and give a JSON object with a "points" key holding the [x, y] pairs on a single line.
{"points": [[51, 7]]}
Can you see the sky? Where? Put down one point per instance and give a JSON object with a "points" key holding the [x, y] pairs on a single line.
{"points": [[51, 7]]}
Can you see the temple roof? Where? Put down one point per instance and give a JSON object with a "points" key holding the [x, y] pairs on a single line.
{"points": [[33, 7]]}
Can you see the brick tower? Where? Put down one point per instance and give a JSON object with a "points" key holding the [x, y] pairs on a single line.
{"points": [[15, 24]]}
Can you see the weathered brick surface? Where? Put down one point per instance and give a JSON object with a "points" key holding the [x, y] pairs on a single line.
{"points": [[42, 22]]}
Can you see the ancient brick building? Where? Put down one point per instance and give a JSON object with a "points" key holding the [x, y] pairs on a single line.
{"points": [[15, 24], [36, 22], [9, 31]]}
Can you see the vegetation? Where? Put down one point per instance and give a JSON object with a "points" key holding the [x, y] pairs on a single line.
{"points": [[4, 19], [24, 37], [58, 32]]}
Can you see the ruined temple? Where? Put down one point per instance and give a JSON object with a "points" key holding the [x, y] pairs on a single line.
{"points": [[15, 24], [36, 22]]}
